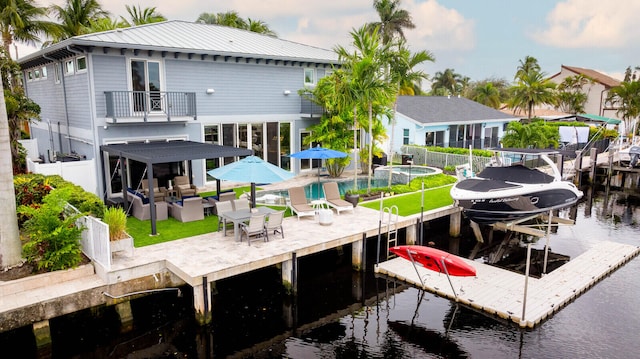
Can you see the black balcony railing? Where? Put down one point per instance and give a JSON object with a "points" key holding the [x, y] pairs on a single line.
{"points": [[159, 105]]}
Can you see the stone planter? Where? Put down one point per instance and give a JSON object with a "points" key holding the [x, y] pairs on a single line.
{"points": [[122, 245], [352, 198]]}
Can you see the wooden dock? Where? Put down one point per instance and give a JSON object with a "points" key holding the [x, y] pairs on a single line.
{"points": [[500, 293]]}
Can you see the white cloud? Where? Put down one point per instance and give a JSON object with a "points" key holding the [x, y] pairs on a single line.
{"points": [[438, 27], [591, 24]]}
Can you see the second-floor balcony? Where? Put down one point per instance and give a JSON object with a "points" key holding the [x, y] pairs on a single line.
{"points": [[150, 106], [310, 108]]}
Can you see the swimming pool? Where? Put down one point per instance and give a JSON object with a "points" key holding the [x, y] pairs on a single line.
{"points": [[402, 173], [314, 190]]}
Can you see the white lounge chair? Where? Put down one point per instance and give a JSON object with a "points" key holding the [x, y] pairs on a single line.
{"points": [[332, 196]]}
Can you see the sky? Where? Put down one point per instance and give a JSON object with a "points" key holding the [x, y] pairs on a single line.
{"points": [[478, 39]]}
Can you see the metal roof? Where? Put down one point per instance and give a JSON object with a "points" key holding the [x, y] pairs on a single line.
{"points": [[176, 36], [172, 151], [448, 110]]}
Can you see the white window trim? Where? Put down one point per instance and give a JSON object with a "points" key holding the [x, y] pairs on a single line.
{"points": [[77, 66], [161, 69], [66, 67], [56, 73], [315, 76]]}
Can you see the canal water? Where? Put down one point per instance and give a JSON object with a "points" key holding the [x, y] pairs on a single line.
{"points": [[342, 314]]}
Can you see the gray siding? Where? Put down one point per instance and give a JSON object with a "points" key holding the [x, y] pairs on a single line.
{"points": [[78, 104], [240, 88], [47, 94], [109, 74]]}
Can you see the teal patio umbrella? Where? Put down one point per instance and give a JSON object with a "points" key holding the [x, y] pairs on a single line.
{"points": [[251, 169], [318, 153]]}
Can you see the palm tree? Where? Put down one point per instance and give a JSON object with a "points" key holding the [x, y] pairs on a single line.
{"points": [[571, 98], [76, 17], [531, 135], [447, 82], [403, 73], [625, 97], [487, 95], [393, 20], [260, 27], [140, 16], [531, 88], [233, 19], [368, 82], [10, 245], [20, 21]]}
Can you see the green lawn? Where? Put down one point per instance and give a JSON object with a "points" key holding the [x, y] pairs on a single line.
{"points": [[410, 203], [172, 229]]}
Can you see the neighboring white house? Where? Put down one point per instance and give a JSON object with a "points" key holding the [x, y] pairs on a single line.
{"points": [[446, 122]]}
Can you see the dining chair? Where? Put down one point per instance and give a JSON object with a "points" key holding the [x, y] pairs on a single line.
{"points": [[254, 229], [222, 208], [274, 223], [241, 204]]}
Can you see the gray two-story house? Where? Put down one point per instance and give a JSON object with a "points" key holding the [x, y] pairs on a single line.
{"points": [[173, 81]]}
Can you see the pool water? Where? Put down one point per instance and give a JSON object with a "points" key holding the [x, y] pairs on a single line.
{"points": [[314, 190]]}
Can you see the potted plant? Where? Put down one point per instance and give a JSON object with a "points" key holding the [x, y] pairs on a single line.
{"points": [[352, 197], [119, 239]]}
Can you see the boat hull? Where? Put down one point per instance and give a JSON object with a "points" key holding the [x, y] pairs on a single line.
{"points": [[488, 201], [432, 258]]}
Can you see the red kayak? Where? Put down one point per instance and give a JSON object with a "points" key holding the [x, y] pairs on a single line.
{"points": [[432, 258]]}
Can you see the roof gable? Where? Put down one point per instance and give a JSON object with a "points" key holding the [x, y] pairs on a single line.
{"points": [[441, 109], [599, 77]]}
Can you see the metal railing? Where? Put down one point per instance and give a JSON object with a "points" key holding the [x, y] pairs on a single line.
{"points": [[145, 104], [309, 107]]}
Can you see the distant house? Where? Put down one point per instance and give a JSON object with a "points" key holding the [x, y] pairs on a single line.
{"points": [[597, 92], [173, 81], [447, 122]]}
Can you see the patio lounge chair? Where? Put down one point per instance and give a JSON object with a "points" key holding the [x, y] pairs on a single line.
{"points": [[183, 187], [332, 196], [254, 229], [298, 203], [187, 210], [158, 192], [141, 208]]}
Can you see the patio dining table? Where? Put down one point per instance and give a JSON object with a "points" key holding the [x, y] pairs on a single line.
{"points": [[243, 215]]}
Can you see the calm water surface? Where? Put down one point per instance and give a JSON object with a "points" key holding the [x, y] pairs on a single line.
{"points": [[342, 314]]}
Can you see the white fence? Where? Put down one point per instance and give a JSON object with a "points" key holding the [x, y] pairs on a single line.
{"points": [[422, 156], [95, 239]]}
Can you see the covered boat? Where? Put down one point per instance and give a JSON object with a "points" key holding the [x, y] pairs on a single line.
{"points": [[509, 192]]}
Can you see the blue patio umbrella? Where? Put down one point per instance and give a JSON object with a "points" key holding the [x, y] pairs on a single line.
{"points": [[318, 153], [251, 169]]}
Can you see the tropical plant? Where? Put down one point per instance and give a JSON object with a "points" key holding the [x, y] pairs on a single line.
{"points": [[393, 20], [53, 236], [233, 19], [571, 95], [531, 88], [365, 67], [116, 219], [625, 98], [76, 18], [447, 82], [22, 21], [141, 16], [487, 95], [531, 135]]}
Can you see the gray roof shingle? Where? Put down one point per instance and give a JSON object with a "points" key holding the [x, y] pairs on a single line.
{"points": [[441, 109]]}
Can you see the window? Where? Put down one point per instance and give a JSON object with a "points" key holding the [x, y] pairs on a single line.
{"points": [[56, 73], [69, 67], [146, 84], [29, 76], [44, 72], [36, 74], [405, 136], [309, 76], [81, 63]]}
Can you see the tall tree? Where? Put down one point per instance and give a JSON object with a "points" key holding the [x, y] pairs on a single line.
{"points": [[531, 135], [403, 73], [364, 66], [487, 94], [10, 244], [446, 82], [393, 20], [531, 88], [233, 19], [21, 21], [75, 18], [571, 95], [141, 16], [625, 97]]}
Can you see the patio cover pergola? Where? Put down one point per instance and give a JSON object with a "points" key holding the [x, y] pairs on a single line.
{"points": [[166, 152]]}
